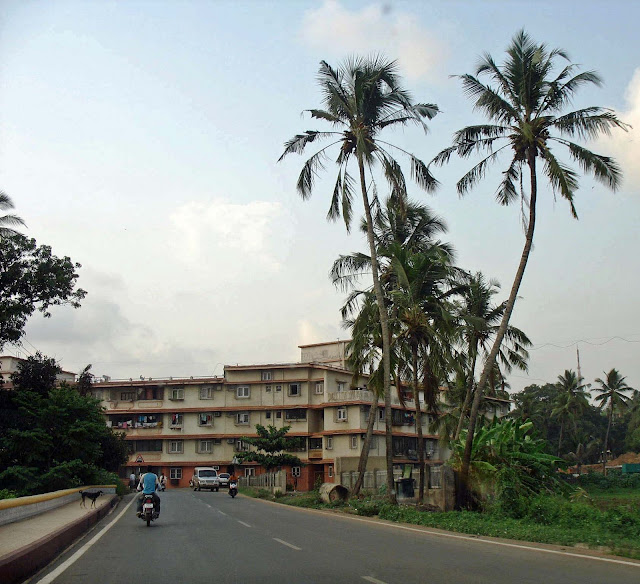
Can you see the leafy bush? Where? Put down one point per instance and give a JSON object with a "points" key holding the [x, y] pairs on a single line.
{"points": [[7, 494], [366, 507]]}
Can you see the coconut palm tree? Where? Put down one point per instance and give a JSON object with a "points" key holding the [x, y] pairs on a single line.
{"points": [[611, 395], [6, 221], [525, 102], [362, 97], [479, 324], [570, 403]]}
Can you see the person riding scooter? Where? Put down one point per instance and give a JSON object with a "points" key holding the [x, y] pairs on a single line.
{"points": [[148, 484]]}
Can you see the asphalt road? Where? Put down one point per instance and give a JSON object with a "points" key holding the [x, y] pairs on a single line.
{"points": [[206, 537]]}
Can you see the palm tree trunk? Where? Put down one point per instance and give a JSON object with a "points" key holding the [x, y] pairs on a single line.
{"points": [[560, 438], [469, 393], [386, 338], [488, 366], [364, 455], [606, 441], [416, 397]]}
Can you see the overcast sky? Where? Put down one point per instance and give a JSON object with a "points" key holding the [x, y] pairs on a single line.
{"points": [[141, 139]]}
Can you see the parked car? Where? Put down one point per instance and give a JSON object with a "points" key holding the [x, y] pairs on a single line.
{"points": [[224, 479], [205, 477]]}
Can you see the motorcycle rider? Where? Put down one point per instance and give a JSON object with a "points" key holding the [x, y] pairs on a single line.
{"points": [[233, 480], [148, 484]]}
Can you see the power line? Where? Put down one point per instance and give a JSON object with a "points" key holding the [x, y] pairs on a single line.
{"points": [[586, 341]]}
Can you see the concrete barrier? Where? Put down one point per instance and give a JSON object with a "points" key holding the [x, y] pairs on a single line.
{"points": [[24, 507]]}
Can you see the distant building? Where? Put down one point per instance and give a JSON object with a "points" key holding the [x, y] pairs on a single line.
{"points": [[9, 365]]}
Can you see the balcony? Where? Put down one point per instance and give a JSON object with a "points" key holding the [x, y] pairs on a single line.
{"points": [[315, 454], [350, 395]]}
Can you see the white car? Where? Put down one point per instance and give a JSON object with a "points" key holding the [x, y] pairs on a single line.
{"points": [[205, 477], [224, 479]]}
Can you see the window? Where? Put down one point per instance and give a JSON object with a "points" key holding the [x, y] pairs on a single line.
{"points": [[217, 414], [249, 472], [320, 387], [205, 446], [294, 389], [268, 415], [217, 440], [176, 447], [175, 473], [330, 471], [241, 446], [266, 376], [278, 387], [127, 395], [205, 419], [242, 418], [147, 445], [341, 414], [354, 442], [177, 394], [176, 421], [298, 444], [341, 385], [295, 471], [267, 388], [315, 443], [296, 415], [329, 445], [243, 391], [206, 392], [278, 415], [381, 414]]}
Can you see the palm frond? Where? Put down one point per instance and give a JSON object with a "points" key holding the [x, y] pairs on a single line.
{"points": [[298, 143], [589, 123], [561, 177], [603, 168]]}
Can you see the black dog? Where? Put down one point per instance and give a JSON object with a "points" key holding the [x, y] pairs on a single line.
{"points": [[93, 496]]}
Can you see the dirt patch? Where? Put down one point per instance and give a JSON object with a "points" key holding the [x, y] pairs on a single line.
{"points": [[626, 458]]}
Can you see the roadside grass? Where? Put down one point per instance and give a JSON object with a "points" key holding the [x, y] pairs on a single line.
{"points": [[598, 519]]}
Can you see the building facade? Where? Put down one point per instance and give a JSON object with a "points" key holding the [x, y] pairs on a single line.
{"points": [[176, 424]]}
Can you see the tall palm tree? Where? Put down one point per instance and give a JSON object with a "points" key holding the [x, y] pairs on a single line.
{"points": [[570, 403], [525, 106], [480, 319], [612, 397], [362, 97], [413, 231], [6, 221]]}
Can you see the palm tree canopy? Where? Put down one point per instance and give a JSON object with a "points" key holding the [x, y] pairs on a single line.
{"points": [[611, 392], [525, 99], [8, 221], [361, 97]]}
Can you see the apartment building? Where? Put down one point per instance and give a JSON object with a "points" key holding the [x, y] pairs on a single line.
{"points": [[176, 424], [9, 364]]}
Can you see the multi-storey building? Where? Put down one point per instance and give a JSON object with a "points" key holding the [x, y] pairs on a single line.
{"points": [[9, 365], [176, 424]]}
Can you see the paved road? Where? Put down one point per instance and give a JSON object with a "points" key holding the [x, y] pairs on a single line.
{"points": [[209, 538]]}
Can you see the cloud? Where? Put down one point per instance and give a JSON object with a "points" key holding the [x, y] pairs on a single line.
{"points": [[624, 147], [373, 29], [232, 234], [310, 332]]}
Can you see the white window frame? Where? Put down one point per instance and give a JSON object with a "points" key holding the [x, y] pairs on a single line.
{"points": [[242, 418], [177, 394], [295, 390], [353, 444], [241, 446], [330, 471], [250, 472], [278, 387], [175, 473], [295, 471], [206, 392], [329, 444], [266, 376], [176, 446], [380, 414], [267, 388], [319, 387], [341, 414], [205, 423], [243, 391], [179, 420], [341, 385], [205, 446], [127, 395]]}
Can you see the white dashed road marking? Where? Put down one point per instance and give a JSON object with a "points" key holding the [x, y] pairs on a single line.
{"points": [[243, 523], [373, 580], [293, 547]]}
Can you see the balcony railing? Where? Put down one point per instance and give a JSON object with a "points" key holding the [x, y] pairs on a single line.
{"points": [[314, 454], [350, 395]]}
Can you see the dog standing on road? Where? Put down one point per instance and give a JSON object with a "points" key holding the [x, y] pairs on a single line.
{"points": [[87, 495]]}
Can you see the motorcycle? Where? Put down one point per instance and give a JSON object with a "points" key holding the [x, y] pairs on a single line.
{"points": [[233, 489], [148, 511]]}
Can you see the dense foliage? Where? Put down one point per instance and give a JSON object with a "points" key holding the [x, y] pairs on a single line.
{"points": [[52, 436], [32, 278], [270, 445]]}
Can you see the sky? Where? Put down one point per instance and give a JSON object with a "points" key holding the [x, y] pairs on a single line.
{"points": [[141, 139]]}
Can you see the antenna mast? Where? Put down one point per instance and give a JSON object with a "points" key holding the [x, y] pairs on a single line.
{"points": [[578, 354]]}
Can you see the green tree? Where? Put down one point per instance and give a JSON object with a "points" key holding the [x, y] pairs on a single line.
{"points": [[611, 396], [52, 437], [571, 402], [8, 221], [526, 106], [479, 323], [362, 97], [270, 444], [32, 278]]}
